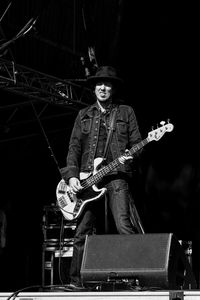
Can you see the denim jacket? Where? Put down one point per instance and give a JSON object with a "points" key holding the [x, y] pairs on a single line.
{"points": [[84, 138]]}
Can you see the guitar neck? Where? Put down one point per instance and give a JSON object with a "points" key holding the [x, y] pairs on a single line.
{"points": [[114, 164]]}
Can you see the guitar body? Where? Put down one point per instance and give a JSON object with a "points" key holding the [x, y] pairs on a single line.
{"points": [[72, 205]]}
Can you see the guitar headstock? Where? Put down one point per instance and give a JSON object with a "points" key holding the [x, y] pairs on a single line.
{"points": [[157, 133]]}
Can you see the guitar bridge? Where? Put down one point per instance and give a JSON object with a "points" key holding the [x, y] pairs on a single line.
{"points": [[62, 201]]}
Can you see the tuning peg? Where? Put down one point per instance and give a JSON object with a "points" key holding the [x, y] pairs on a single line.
{"points": [[162, 123]]}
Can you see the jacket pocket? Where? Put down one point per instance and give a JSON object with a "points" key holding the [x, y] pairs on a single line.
{"points": [[122, 127], [86, 125]]}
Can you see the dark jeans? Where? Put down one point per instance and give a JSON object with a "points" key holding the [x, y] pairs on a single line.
{"points": [[119, 199]]}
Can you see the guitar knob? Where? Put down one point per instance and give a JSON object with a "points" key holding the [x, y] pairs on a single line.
{"points": [[162, 123]]}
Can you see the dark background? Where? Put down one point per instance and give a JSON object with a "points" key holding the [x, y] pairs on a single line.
{"points": [[154, 49]]}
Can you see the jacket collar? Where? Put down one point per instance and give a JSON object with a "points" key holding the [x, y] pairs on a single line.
{"points": [[95, 107]]}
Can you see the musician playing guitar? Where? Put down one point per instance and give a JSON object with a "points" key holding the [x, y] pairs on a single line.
{"points": [[89, 139]]}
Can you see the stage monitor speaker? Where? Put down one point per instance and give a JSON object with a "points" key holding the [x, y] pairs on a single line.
{"points": [[154, 260]]}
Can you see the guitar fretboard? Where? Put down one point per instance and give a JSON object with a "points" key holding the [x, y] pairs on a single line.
{"points": [[113, 165]]}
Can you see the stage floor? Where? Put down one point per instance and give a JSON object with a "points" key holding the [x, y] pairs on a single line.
{"points": [[119, 295]]}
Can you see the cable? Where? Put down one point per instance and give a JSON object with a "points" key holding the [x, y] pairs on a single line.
{"points": [[61, 241], [14, 294], [46, 138], [28, 26], [5, 11]]}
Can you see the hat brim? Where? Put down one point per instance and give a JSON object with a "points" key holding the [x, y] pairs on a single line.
{"points": [[92, 80]]}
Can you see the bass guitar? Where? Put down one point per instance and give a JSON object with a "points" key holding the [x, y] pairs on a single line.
{"points": [[72, 205]]}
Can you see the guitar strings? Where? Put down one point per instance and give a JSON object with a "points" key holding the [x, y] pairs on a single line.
{"points": [[99, 175], [106, 169]]}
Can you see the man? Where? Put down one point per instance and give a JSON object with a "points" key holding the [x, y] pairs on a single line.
{"points": [[88, 141]]}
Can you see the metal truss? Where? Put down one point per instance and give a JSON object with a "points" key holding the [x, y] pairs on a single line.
{"points": [[48, 100], [36, 85]]}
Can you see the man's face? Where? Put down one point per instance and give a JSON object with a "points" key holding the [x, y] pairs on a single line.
{"points": [[103, 90]]}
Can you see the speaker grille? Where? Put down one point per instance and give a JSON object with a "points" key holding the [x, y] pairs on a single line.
{"points": [[154, 259]]}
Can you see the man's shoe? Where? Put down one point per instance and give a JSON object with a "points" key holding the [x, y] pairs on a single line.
{"points": [[76, 287]]}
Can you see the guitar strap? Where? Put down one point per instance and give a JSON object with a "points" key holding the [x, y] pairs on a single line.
{"points": [[112, 122]]}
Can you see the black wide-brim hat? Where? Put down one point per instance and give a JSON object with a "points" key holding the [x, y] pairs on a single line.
{"points": [[105, 73]]}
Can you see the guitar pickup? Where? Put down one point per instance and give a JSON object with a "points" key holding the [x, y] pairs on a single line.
{"points": [[61, 192], [70, 196]]}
